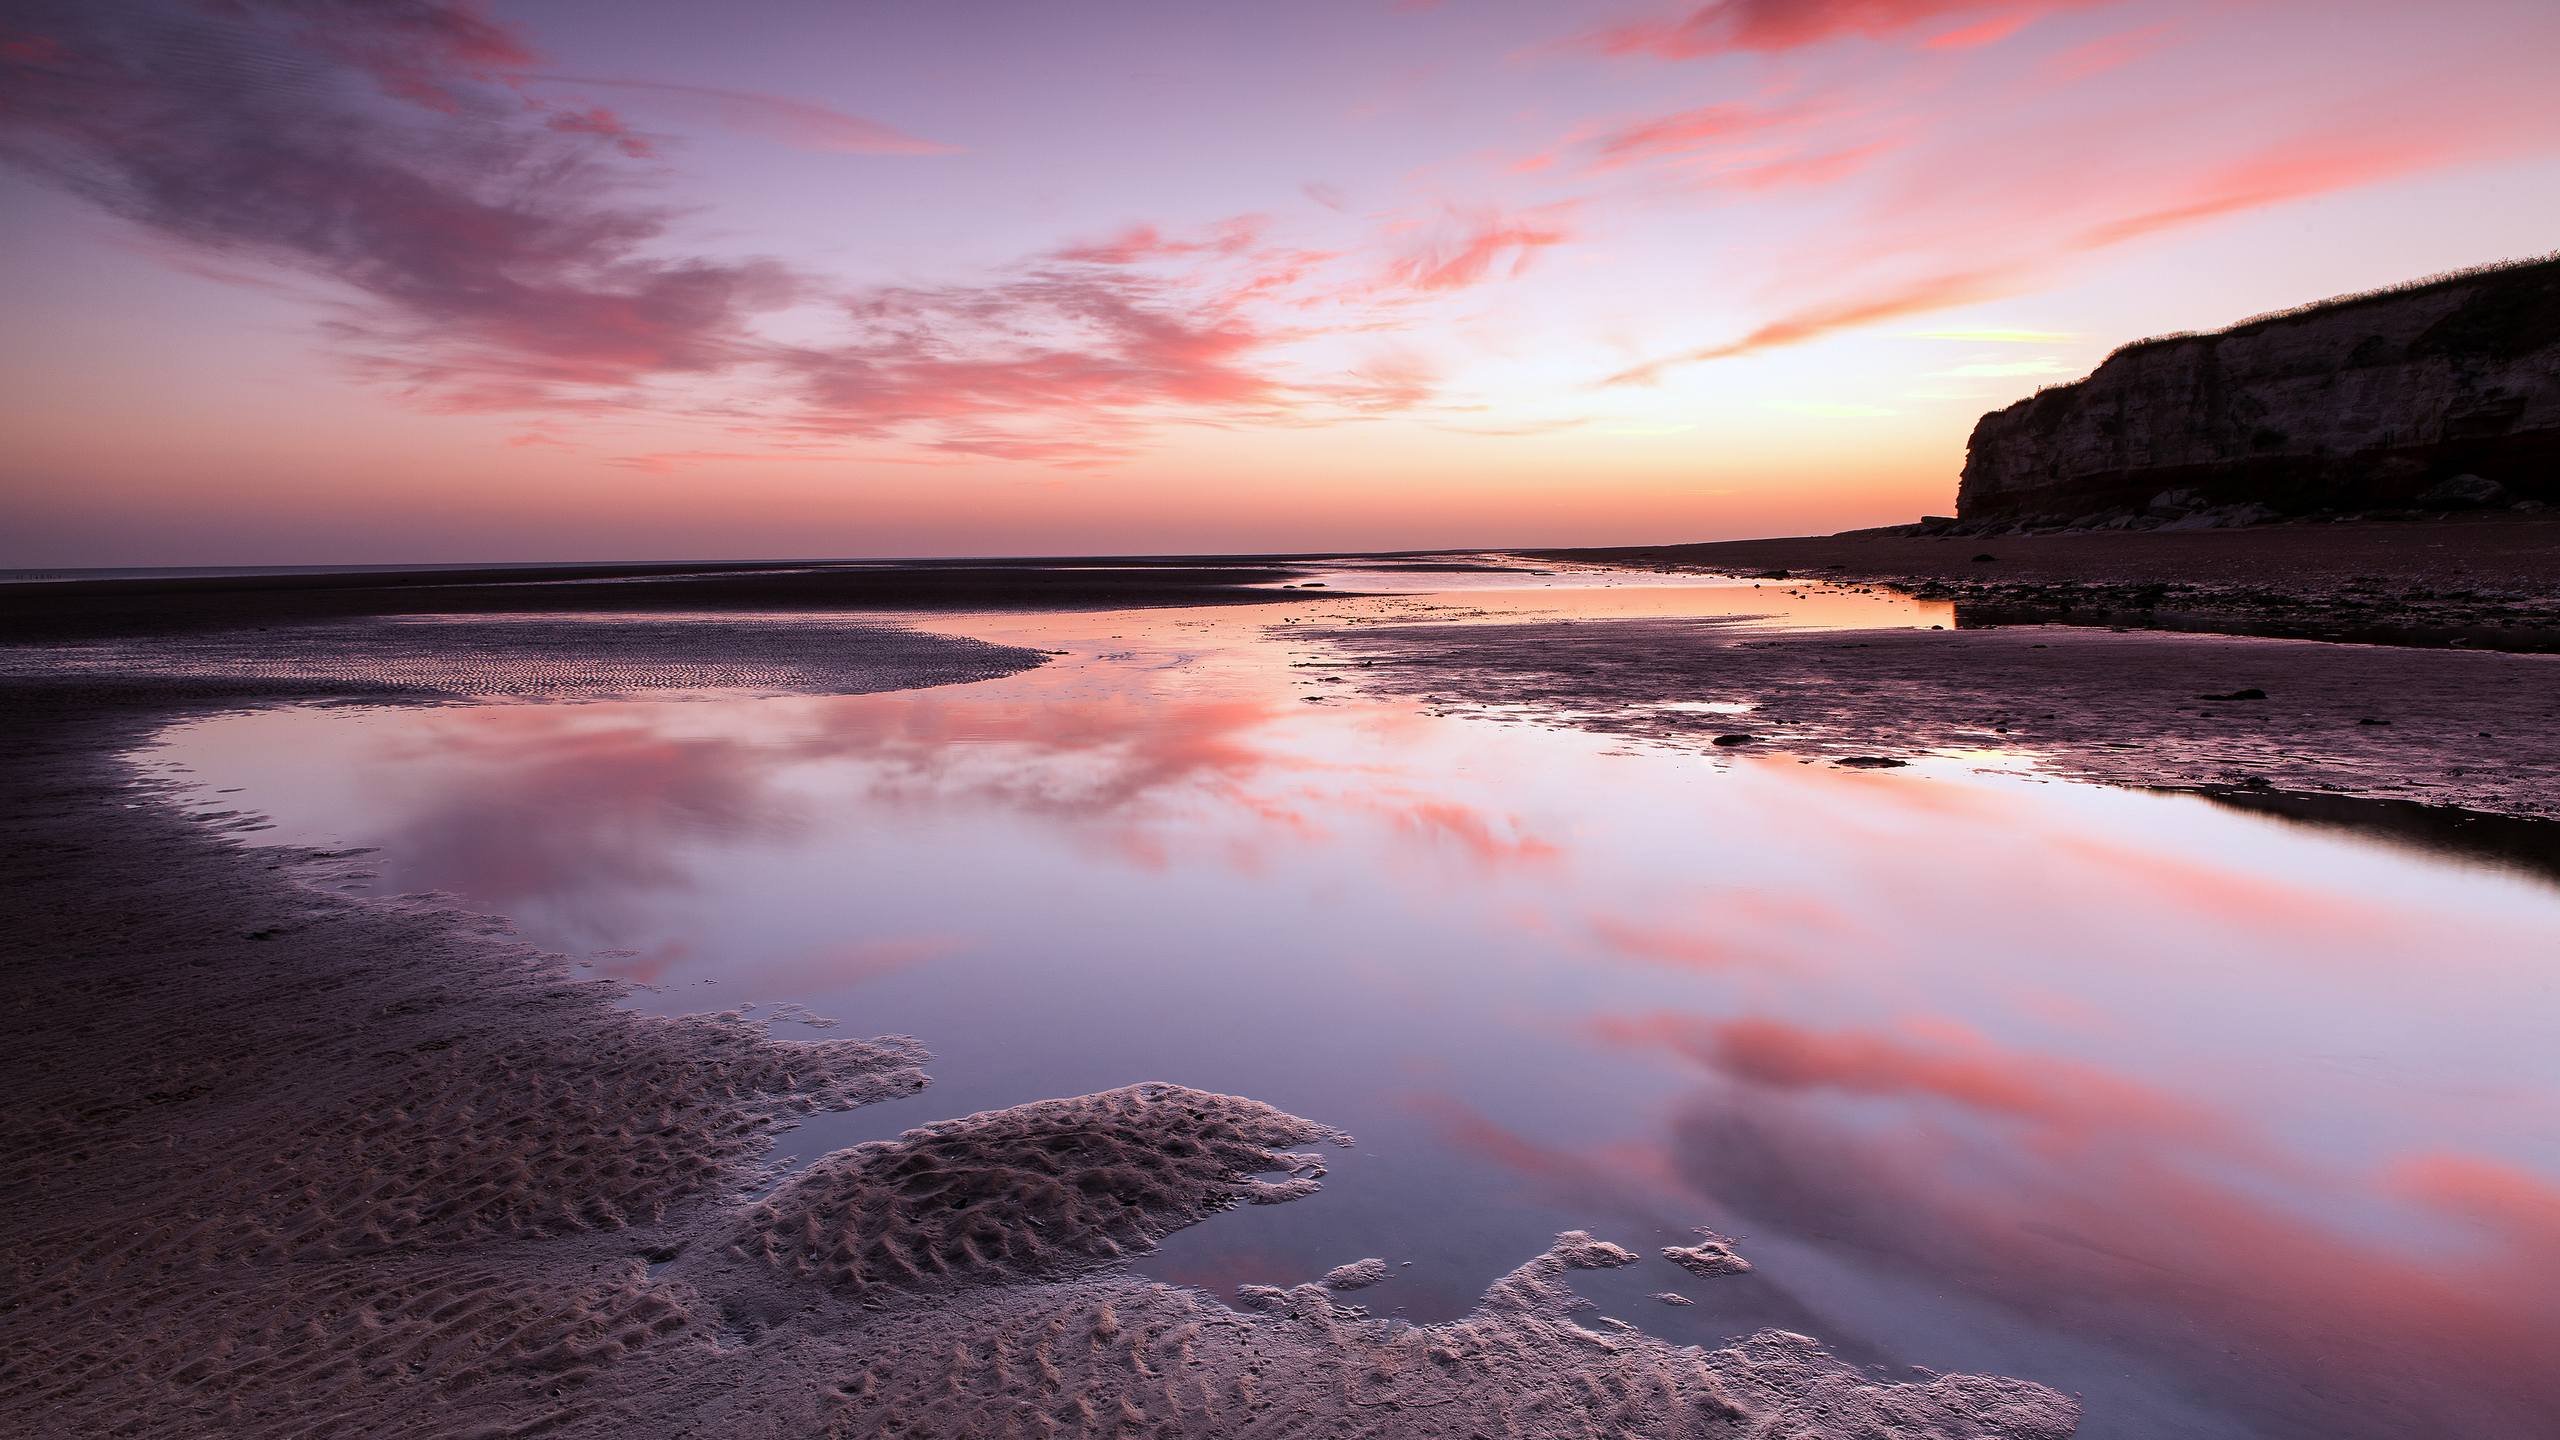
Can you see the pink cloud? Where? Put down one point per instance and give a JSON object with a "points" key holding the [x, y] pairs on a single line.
{"points": [[1680, 946], [2108, 52], [1812, 322], [1817, 168], [1086, 353], [1468, 247], [596, 120], [1777, 25], [1981, 33], [2314, 165], [1141, 244], [1685, 133]]}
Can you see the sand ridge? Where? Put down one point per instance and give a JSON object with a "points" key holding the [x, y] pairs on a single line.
{"points": [[1119, 1357]]}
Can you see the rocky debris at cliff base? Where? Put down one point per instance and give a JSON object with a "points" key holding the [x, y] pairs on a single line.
{"points": [[2181, 511], [2463, 492]]}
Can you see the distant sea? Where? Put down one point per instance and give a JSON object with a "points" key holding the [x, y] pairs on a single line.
{"points": [[203, 572]]}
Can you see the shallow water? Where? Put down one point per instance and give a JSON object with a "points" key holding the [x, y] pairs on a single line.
{"points": [[2230, 1126]]}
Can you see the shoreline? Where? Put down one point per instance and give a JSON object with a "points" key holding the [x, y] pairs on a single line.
{"points": [[2490, 583]]}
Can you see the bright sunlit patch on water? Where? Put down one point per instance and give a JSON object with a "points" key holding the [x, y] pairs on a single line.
{"points": [[2133, 1094], [1511, 590]]}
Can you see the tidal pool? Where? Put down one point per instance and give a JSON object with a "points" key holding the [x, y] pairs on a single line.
{"points": [[2232, 1127]]}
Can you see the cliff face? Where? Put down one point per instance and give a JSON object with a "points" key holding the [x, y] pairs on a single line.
{"points": [[2354, 404]]}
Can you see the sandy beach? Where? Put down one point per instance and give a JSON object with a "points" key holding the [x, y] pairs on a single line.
{"points": [[788, 720]]}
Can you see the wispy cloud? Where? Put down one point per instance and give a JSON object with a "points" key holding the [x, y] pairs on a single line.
{"points": [[1812, 322], [2092, 58], [1692, 32], [1829, 410], [1465, 247], [800, 124], [1996, 336], [2003, 369]]}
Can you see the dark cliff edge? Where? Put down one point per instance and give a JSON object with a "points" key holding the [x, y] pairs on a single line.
{"points": [[2441, 394]]}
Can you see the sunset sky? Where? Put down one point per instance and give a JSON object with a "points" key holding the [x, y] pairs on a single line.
{"points": [[306, 281]]}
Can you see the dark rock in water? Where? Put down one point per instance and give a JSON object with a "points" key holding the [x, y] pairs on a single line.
{"points": [[2252, 693], [1872, 762], [1735, 739], [1985, 558], [2463, 492], [2443, 394], [1773, 575]]}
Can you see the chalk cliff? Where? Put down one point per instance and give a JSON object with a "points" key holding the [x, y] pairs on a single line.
{"points": [[2441, 394]]}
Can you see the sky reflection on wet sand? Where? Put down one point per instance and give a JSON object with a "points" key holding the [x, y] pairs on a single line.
{"points": [[2234, 1127]]}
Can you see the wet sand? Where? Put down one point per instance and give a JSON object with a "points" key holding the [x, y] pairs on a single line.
{"points": [[2486, 582], [2477, 731], [53, 611], [287, 1163]]}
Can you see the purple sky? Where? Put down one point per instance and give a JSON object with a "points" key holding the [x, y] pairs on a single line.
{"points": [[315, 280]]}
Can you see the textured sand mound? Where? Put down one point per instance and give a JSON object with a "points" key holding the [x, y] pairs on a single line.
{"points": [[1710, 1257], [1117, 1357], [1045, 1189], [1358, 1275]]}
